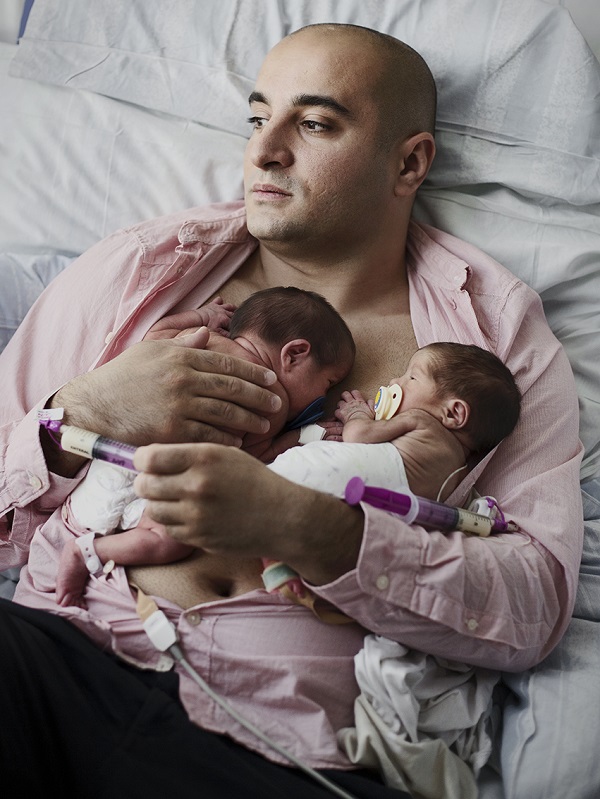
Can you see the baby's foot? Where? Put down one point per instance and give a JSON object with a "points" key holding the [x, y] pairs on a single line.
{"points": [[72, 576]]}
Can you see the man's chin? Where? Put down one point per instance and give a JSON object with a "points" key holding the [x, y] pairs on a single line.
{"points": [[274, 230]]}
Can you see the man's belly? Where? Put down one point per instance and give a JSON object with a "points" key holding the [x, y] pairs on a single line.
{"points": [[200, 578]]}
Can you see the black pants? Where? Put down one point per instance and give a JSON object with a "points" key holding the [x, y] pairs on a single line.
{"points": [[78, 721]]}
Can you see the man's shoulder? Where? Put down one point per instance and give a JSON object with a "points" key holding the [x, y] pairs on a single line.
{"points": [[450, 262], [209, 223]]}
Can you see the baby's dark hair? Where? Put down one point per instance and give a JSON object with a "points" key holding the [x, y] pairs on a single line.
{"points": [[285, 313], [480, 379]]}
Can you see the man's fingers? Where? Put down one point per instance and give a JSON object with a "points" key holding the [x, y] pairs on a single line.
{"points": [[238, 390], [208, 411], [228, 365], [168, 458], [168, 514]]}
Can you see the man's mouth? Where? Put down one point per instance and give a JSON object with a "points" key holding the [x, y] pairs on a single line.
{"points": [[267, 191]]}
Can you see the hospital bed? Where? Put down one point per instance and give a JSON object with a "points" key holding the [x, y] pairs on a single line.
{"points": [[113, 112]]}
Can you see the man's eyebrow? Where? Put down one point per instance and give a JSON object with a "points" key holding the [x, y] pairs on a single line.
{"points": [[320, 100], [257, 97]]}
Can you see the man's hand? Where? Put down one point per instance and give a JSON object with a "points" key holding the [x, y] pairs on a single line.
{"points": [[225, 501], [169, 391]]}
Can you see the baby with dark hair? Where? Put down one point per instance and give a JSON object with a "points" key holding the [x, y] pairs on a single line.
{"points": [[297, 334]]}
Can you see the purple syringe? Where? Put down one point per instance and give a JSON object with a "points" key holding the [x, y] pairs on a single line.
{"points": [[92, 445], [427, 512]]}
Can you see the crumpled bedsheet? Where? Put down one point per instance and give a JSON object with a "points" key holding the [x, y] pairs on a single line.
{"points": [[424, 722]]}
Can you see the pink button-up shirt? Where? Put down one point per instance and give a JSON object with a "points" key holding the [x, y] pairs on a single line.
{"points": [[501, 602]]}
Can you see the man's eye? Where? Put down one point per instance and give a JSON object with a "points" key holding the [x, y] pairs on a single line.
{"points": [[256, 122], [313, 125]]}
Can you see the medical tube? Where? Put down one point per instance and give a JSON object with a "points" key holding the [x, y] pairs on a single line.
{"points": [[426, 512], [93, 445]]}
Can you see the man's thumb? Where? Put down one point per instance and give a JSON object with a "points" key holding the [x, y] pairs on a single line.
{"points": [[198, 339]]}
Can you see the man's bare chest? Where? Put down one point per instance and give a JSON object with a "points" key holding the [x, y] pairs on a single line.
{"points": [[384, 348]]}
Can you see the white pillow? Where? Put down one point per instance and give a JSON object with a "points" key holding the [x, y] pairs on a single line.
{"points": [[76, 165]]}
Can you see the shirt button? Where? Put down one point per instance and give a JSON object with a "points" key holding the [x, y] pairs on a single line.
{"points": [[110, 337], [194, 619], [472, 624], [35, 482], [382, 582]]}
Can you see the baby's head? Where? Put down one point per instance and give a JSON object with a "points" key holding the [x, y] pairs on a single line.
{"points": [[310, 345], [467, 388]]}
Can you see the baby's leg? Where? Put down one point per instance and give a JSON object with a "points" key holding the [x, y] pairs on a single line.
{"points": [[140, 546]]}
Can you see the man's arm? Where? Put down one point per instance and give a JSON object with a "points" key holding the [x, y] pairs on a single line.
{"points": [[167, 391], [141, 395], [223, 500]]}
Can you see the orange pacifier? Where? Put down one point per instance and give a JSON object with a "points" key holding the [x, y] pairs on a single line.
{"points": [[387, 401]]}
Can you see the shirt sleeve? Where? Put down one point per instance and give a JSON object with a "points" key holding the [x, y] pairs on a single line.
{"points": [[61, 337], [504, 601]]}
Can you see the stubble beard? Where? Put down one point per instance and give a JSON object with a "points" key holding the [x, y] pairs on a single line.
{"points": [[276, 229]]}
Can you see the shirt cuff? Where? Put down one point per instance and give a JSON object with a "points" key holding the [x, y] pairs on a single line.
{"points": [[27, 477], [382, 575]]}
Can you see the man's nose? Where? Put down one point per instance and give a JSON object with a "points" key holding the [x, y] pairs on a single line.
{"points": [[270, 146]]}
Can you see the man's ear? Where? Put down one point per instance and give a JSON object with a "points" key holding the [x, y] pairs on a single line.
{"points": [[295, 353], [416, 155], [455, 413]]}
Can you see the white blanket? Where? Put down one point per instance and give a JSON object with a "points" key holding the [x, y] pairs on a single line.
{"points": [[421, 720]]}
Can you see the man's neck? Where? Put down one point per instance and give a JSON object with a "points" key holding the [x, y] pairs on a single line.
{"points": [[362, 282]]}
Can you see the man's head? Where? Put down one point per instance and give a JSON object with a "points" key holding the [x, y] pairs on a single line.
{"points": [[343, 122]]}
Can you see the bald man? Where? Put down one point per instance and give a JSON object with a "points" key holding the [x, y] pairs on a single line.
{"points": [[342, 122]]}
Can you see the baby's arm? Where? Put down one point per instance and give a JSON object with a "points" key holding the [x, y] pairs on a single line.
{"points": [[360, 425], [215, 315], [357, 416]]}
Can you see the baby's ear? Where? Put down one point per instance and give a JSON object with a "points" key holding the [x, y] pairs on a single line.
{"points": [[295, 353], [456, 413]]}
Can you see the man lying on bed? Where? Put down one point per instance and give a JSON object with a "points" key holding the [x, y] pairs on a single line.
{"points": [[342, 136]]}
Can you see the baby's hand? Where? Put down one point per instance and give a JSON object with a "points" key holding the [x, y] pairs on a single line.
{"points": [[217, 314], [214, 315], [354, 406]]}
